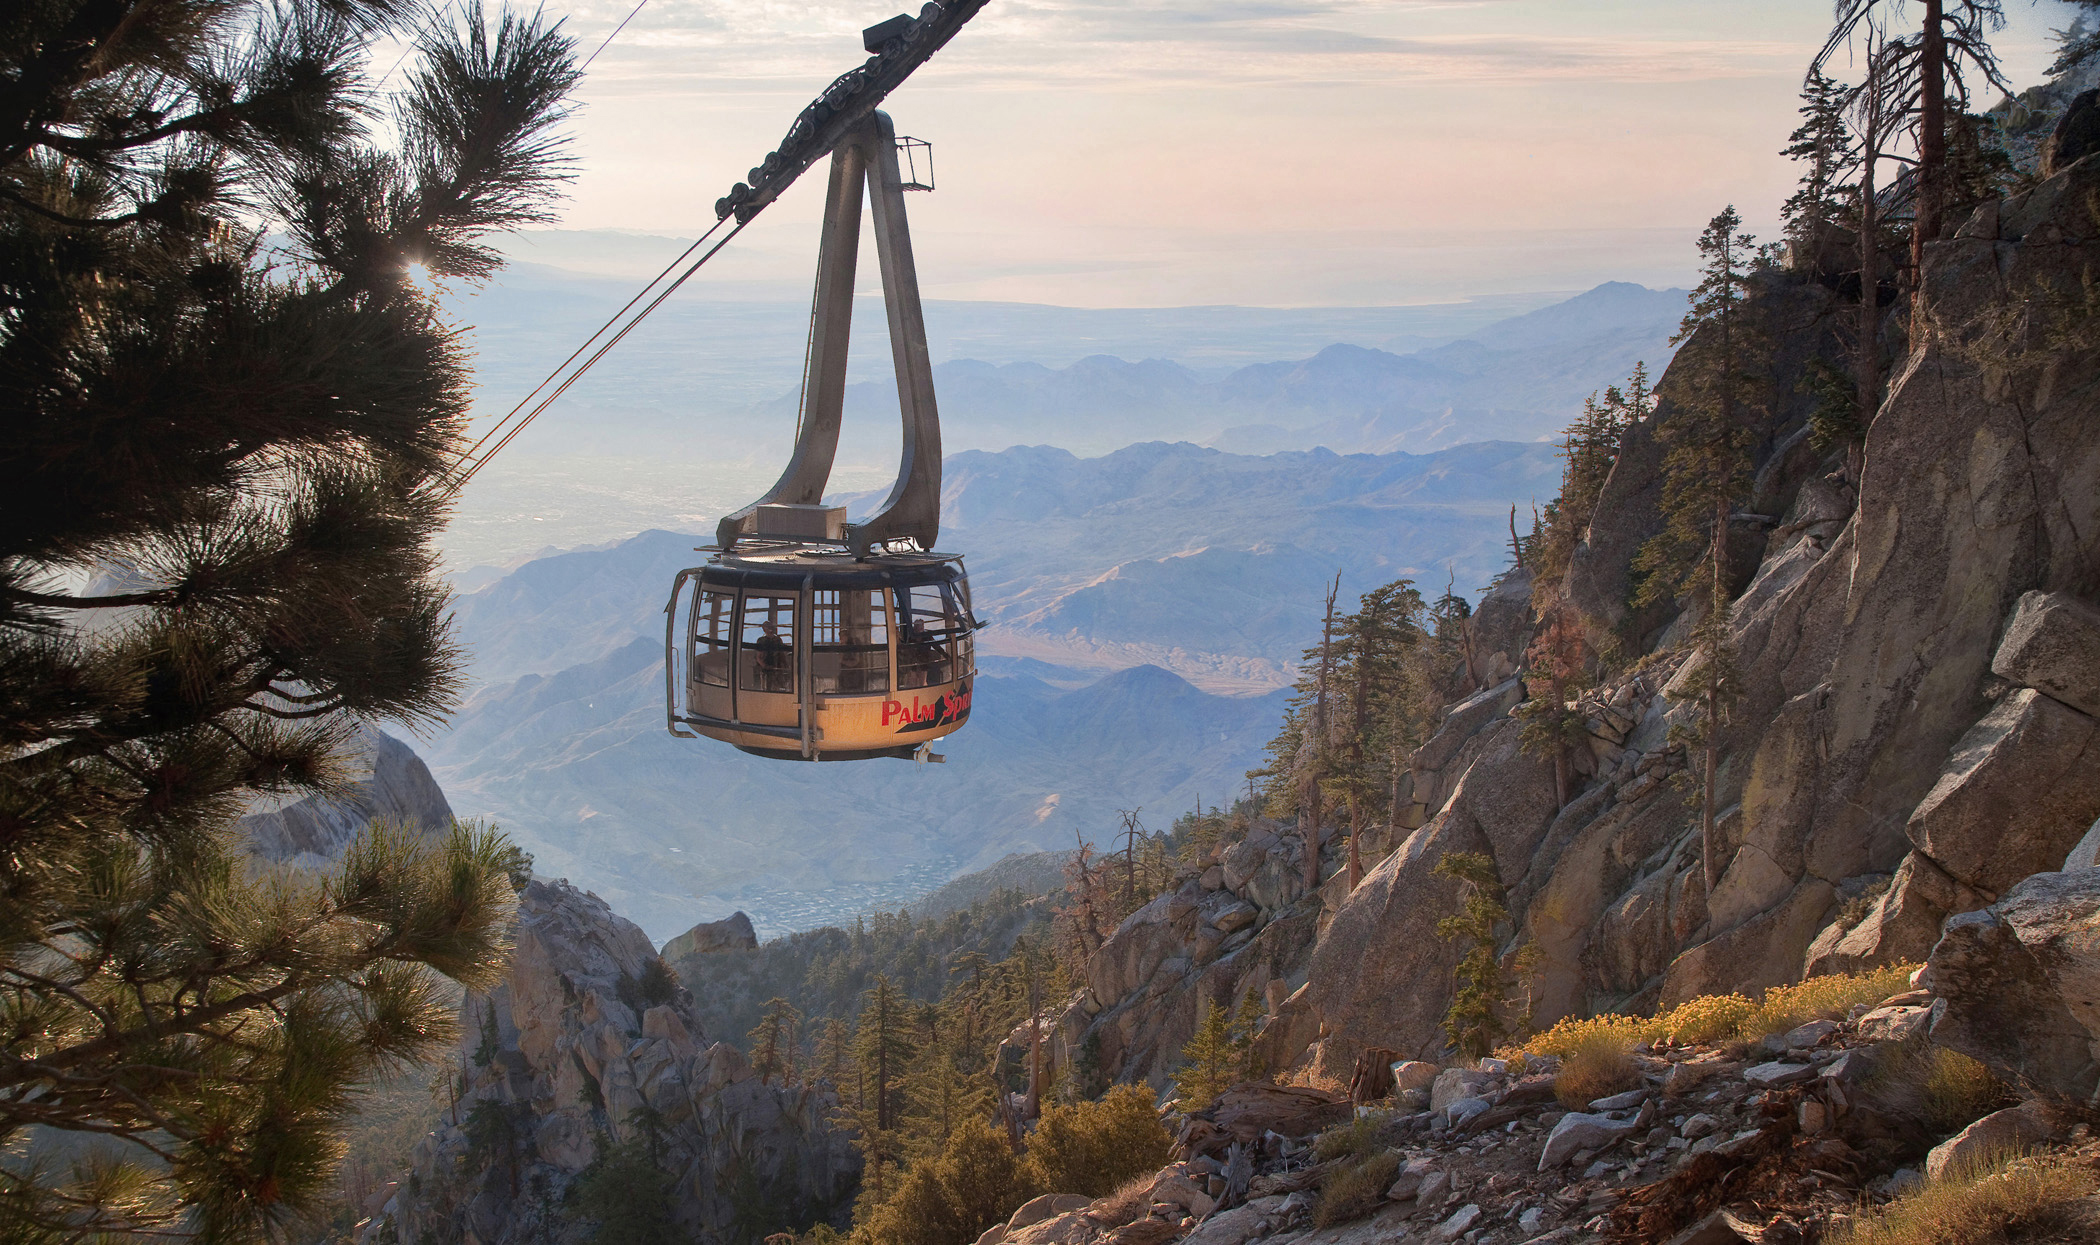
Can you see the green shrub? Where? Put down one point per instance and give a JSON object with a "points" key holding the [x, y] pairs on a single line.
{"points": [[627, 1198], [1090, 1148], [1356, 1189], [950, 1199]]}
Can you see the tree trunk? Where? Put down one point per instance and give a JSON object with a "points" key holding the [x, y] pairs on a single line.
{"points": [[1932, 154], [1707, 848], [1867, 362], [1035, 1047], [1356, 834]]}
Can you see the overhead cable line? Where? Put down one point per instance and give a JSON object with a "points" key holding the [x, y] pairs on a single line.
{"points": [[615, 34], [476, 456]]}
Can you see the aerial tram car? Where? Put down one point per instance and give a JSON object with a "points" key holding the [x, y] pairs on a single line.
{"points": [[807, 637]]}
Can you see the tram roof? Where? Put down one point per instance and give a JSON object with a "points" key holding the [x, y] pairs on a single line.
{"points": [[786, 565]]}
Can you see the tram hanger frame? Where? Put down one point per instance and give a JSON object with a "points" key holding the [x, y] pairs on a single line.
{"points": [[864, 166]]}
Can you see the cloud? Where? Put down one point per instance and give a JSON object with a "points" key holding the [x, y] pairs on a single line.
{"points": [[1164, 45]]}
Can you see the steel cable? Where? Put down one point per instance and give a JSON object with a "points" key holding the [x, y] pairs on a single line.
{"points": [[469, 460]]}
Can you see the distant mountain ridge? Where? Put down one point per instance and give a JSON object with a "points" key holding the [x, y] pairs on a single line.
{"points": [[1148, 567], [717, 378], [1521, 379], [1199, 561]]}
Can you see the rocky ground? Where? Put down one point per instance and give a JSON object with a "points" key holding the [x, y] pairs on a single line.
{"points": [[1776, 1141]]}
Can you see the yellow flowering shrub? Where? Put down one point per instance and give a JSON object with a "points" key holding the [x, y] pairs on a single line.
{"points": [[1721, 1017], [1822, 998], [1708, 1018]]}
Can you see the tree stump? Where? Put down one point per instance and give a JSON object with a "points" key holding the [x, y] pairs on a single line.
{"points": [[1373, 1078]]}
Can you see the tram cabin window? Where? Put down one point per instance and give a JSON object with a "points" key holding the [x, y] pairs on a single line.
{"points": [[927, 621], [768, 657], [713, 628], [850, 642]]}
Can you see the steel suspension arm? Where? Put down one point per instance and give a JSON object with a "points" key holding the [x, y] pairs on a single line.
{"points": [[900, 46]]}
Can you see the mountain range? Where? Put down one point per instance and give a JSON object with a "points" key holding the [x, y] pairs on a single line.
{"points": [[1110, 584]]}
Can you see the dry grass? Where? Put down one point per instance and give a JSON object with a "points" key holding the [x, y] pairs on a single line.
{"points": [[1307, 1076], [1958, 1090], [1976, 1206], [1597, 1067], [1357, 1189], [1725, 1017], [1355, 1139], [1127, 1204]]}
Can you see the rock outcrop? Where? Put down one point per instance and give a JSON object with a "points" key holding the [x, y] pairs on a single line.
{"points": [[1915, 731], [1234, 925], [590, 1041], [1708, 1147], [389, 781], [2020, 986], [731, 933]]}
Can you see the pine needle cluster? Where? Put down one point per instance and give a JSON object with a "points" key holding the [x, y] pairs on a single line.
{"points": [[230, 411]]}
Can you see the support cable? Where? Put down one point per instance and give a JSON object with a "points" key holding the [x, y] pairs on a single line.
{"points": [[473, 464], [501, 424], [614, 35]]}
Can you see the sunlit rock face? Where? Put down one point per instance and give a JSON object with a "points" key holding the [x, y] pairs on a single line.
{"points": [[589, 1040], [389, 781], [1915, 729]]}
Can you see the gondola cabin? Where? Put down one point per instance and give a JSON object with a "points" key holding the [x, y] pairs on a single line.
{"points": [[799, 652], [806, 637]]}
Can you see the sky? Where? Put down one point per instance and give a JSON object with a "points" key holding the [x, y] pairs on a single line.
{"points": [[1278, 153]]}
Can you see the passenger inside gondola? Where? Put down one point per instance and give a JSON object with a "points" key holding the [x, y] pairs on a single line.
{"points": [[775, 667]]}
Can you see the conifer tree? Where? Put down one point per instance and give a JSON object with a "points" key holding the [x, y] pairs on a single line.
{"points": [[1824, 145], [1923, 76], [1474, 1021], [2077, 45], [1554, 672], [882, 1053], [626, 1197], [1209, 1060], [218, 502], [1589, 449], [1371, 671], [1246, 1021], [773, 1041], [1706, 469]]}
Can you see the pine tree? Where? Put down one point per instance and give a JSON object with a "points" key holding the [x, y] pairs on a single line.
{"points": [[1209, 1060], [1474, 1021], [1246, 1022], [1922, 76], [773, 1041], [1706, 469], [627, 1198], [218, 505], [1372, 674], [1554, 672], [2077, 45], [882, 1053], [1823, 143], [1589, 449]]}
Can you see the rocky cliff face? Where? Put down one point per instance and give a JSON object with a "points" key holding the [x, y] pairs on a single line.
{"points": [[391, 782], [1918, 730], [590, 1042]]}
